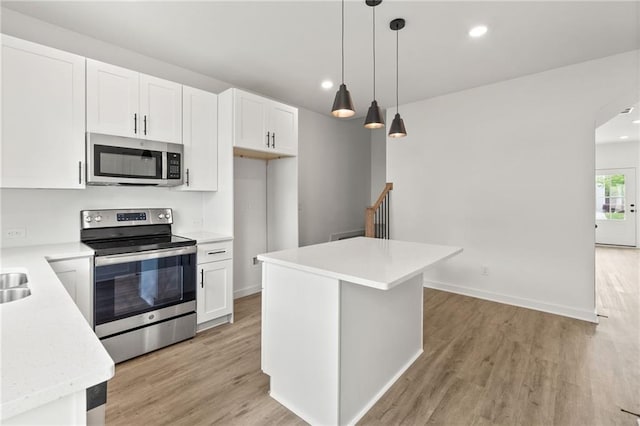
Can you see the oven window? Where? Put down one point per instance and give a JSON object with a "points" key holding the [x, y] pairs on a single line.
{"points": [[127, 289], [127, 162]]}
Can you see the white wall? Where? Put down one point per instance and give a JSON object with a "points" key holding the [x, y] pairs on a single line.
{"points": [[334, 163], [250, 223], [621, 155], [378, 162], [506, 171]]}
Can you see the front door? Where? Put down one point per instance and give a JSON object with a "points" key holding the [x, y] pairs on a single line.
{"points": [[616, 206]]}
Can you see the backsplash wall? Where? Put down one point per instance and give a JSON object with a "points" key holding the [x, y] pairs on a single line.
{"points": [[51, 216]]}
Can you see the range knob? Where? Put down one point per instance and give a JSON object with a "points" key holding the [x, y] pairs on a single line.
{"points": [[98, 218], [161, 216], [87, 219], [167, 215]]}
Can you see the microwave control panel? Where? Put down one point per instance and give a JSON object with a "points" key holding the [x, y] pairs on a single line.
{"points": [[173, 165]]}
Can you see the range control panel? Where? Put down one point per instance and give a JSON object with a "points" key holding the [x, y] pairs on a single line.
{"points": [[124, 217]]}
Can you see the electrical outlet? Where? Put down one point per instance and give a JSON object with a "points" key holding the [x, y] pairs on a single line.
{"points": [[15, 233], [484, 270]]}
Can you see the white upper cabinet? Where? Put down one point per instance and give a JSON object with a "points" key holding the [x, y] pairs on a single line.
{"points": [[122, 102], [161, 109], [264, 126], [283, 122], [112, 100], [43, 108], [200, 139]]}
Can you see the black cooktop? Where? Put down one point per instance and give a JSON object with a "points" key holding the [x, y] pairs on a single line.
{"points": [[138, 244]]}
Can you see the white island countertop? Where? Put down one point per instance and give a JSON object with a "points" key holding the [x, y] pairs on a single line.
{"points": [[371, 262], [48, 350]]}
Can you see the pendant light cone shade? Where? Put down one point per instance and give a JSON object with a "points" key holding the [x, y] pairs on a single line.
{"points": [[397, 129], [374, 117], [343, 105]]}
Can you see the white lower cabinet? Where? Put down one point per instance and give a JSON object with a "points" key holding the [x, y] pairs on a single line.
{"points": [[76, 276], [215, 286]]}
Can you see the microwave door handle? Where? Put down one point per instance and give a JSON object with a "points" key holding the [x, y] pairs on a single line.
{"points": [[165, 171]]}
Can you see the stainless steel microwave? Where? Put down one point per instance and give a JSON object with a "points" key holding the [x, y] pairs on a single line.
{"points": [[116, 160]]}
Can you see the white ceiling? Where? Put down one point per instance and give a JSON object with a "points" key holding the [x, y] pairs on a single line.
{"points": [[620, 125], [285, 49]]}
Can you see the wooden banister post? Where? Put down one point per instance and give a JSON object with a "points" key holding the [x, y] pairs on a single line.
{"points": [[369, 226]]}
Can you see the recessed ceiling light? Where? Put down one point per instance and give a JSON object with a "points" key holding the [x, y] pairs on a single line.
{"points": [[636, 121], [327, 84], [478, 31], [624, 137]]}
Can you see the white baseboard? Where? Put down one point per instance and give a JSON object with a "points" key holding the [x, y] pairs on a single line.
{"points": [[551, 308], [247, 291]]}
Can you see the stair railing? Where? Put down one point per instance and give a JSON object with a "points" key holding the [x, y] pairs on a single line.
{"points": [[377, 216]]}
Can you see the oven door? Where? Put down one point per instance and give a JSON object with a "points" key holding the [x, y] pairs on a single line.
{"points": [[133, 290]]}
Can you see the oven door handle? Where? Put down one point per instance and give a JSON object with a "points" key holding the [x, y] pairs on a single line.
{"points": [[136, 257]]}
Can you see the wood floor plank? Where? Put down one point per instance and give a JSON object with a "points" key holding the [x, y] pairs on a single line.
{"points": [[484, 363]]}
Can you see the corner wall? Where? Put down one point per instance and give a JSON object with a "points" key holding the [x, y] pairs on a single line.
{"points": [[506, 171], [334, 183]]}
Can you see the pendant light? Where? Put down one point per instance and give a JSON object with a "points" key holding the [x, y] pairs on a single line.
{"points": [[397, 129], [374, 118], [343, 105]]}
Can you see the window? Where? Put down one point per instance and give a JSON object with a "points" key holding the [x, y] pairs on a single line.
{"points": [[610, 197]]}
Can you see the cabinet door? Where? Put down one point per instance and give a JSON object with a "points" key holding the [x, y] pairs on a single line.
{"points": [[42, 116], [161, 109], [112, 100], [76, 276], [215, 292], [250, 115], [283, 124], [200, 139]]}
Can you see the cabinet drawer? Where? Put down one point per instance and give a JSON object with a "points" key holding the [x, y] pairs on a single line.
{"points": [[212, 252]]}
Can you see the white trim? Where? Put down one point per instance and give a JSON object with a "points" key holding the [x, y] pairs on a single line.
{"points": [[565, 311], [247, 291], [385, 388], [347, 234]]}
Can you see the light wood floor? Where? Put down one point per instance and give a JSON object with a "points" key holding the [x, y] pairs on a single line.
{"points": [[484, 363]]}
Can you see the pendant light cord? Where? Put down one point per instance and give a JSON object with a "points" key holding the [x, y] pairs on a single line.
{"points": [[397, 67], [342, 41], [374, 53]]}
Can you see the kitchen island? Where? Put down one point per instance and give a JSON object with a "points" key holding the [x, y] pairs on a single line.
{"points": [[341, 322]]}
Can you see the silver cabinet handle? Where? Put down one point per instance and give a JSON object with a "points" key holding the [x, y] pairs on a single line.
{"points": [[80, 172], [202, 278], [135, 123], [216, 252], [187, 177], [268, 134], [273, 141], [145, 124]]}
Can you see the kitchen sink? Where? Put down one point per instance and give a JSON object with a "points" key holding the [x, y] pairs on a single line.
{"points": [[12, 279], [11, 294], [13, 286]]}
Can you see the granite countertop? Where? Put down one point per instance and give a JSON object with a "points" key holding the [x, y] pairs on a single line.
{"points": [[204, 237], [48, 350]]}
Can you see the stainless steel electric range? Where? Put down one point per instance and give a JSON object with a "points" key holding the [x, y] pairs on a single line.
{"points": [[144, 280]]}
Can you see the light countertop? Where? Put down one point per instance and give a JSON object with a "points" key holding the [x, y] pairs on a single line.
{"points": [[48, 350], [203, 237], [371, 262]]}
